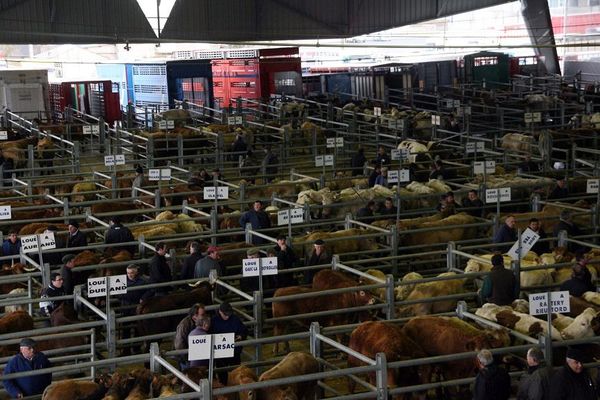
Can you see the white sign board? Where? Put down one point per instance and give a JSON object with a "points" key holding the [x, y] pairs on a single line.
{"points": [[97, 286], [528, 240], [87, 129], [250, 266], [560, 303], [5, 212], [170, 124], [3, 135], [326, 160], [491, 195], [235, 120], [47, 240], [528, 118], [162, 124], [400, 154], [592, 185], [109, 161], [199, 346], [472, 147], [537, 117], [377, 111], [156, 174], [456, 103], [335, 142], [478, 167], [296, 216], [29, 243], [436, 120], [395, 176], [396, 124], [120, 159], [222, 192]]}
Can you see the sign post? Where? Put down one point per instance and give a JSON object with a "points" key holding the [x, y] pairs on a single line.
{"points": [[259, 267]]}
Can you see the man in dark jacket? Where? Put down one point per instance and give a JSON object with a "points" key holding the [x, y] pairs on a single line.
{"points": [[318, 256], [159, 270], [506, 233], [206, 264], [67, 273], [225, 321], [474, 203], [118, 233], [187, 269], [535, 383], [492, 382], [185, 326], [566, 224], [560, 191], [27, 360], [500, 285], [129, 301], [388, 209], [357, 162], [365, 214], [581, 280], [258, 219], [76, 237], [539, 247], [572, 381], [54, 289], [382, 157], [374, 175], [286, 259]]}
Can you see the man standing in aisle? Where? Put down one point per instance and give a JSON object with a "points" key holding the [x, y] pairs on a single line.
{"points": [[500, 285], [225, 321], [492, 382], [27, 360], [573, 381], [535, 383], [76, 237], [258, 219]]}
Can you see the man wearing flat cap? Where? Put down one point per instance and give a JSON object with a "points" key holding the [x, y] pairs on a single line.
{"points": [[500, 285], [27, 360], [573, 381], [76, 237], [225, 321], [318, 256]]}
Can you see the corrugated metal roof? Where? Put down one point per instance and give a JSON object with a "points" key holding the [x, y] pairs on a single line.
{"points": [[247, 20], [67, 21]]}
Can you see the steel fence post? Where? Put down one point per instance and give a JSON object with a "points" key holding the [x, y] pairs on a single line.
{"points": [[248, 233], [205, 389], [390, 296], [461, 307], [334, 262], [257, 309], [450, 261], [535, 203], [111, 334], [394, 246], [154, 351], [381, 376], [315, 343], [214, 226], [562, 238]]}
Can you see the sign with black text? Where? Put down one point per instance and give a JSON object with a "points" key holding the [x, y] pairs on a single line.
{"points": [[3, 135], [5, 212], [335, 142], [592, 186], [326, 160], [162, 174], [222, 193], [491, 195], [560, 303], [528, 240], [97, 286], [30, 243], [199, 346], [473, 147], [268, 265], [478, 167], [293, 215], [400, 154]]}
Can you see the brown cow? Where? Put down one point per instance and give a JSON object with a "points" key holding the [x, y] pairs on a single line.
{"points": [[373, 337], [314, 304], [439, 336], [14, 269], [70, 389], [17, 321], [294, 364], [182, 299], [63, 315], [242, 375]]}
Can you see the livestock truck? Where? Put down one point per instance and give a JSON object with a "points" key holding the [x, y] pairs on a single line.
{"points": [[25, 92]]}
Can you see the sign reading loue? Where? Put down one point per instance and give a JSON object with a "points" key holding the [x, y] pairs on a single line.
{"points": [[97, 286], [268, 265], [30, 243], [559, 303], [199, 346]]}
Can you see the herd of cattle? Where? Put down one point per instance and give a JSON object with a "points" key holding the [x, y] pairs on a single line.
{"points": [[421, 334]]}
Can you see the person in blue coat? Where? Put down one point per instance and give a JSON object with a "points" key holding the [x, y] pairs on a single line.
{"points": [[27, 360], [258, 218], [12, 245]]}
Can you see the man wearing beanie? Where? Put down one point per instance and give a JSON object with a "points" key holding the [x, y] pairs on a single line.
{"points": [[500, 285], [27, 360], [581, 280], [572, 381]]}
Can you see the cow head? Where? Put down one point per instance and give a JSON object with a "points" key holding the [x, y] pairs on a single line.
{"points": [[585, 324]]}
